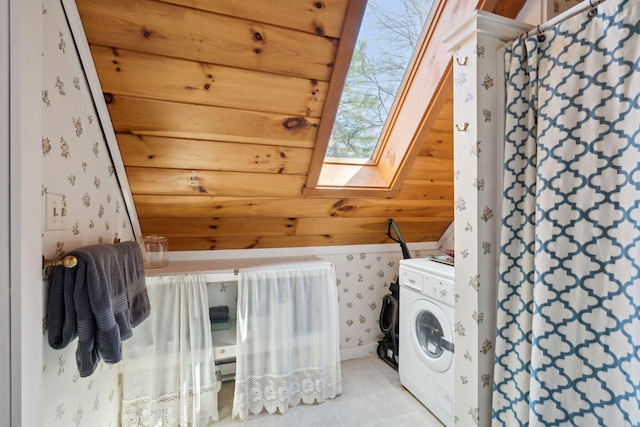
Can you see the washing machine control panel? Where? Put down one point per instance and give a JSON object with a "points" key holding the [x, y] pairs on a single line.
{"points": [[432, 279], [440, 289], [412, 279]]}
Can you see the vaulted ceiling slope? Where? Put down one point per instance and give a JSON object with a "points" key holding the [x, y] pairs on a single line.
{"points": [[216, 107]]}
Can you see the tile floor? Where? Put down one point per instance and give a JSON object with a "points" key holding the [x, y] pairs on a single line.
{"points": [[371, 396]]}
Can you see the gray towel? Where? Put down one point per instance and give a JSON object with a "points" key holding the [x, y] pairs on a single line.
{"points": [[133, 270], [99, 286], [100, 301], [61, 314], [219, 313]]}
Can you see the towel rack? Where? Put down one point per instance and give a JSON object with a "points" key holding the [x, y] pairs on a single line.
{"points": [[68, 262]]}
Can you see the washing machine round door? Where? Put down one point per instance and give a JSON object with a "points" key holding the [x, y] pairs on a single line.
{"points": [[432, 335]]}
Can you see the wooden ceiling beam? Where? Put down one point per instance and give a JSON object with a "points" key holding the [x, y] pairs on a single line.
{"points": [[172, 119], [177, 182], [173, 153], [136, 74], [176, 206], [316, 17], [182, 32]]}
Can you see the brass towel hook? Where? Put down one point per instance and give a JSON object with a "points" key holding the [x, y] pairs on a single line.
{"points": [[462, 128], [462, 62]]}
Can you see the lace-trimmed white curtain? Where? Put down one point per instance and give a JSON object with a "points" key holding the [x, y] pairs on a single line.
{"points": [[169, 374], [287, 338]]}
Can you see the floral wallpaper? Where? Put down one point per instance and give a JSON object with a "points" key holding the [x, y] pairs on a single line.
{"points": [[556, 7], [363, 280], [79, 182]]}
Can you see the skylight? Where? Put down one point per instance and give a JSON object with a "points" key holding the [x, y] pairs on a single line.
{"points": [[389, 34]]}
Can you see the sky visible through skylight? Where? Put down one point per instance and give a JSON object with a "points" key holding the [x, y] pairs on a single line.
{"points": [[389, 34]]}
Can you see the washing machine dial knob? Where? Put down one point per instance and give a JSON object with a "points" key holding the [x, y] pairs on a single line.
{"points": [[443, 289]]}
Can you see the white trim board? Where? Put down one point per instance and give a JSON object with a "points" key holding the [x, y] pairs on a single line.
{"points": [[358, 351], [5, 226], [86, 60], [292, 252]]}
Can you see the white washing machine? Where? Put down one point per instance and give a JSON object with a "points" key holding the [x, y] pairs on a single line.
{"points": [[426, 334]]}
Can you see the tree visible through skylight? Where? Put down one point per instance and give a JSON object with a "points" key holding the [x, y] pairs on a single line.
{"points": [[389, 34]]}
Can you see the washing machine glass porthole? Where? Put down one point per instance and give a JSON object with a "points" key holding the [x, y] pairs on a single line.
{"points": [[429, 334]]}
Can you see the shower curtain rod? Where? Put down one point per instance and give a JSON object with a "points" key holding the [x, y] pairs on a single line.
{"points": [[579, 8]]}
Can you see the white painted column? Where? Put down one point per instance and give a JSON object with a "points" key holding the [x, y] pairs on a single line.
{"points": [[25, 210], [5, 242], [477, 144]]}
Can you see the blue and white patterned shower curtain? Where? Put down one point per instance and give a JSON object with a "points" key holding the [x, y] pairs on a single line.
{"points": [[568, 335]]}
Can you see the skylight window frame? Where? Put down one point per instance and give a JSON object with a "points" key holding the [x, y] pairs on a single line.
{"points": [[394, 153]]}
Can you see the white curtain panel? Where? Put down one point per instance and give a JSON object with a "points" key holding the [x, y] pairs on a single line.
{"points": [[169, 376], [568, 336], [287, 338]]}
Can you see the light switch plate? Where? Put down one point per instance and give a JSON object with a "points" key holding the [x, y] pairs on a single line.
{"points": [[56, 211]]}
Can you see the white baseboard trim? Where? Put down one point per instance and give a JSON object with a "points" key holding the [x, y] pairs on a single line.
{"points": [[358, 351]]}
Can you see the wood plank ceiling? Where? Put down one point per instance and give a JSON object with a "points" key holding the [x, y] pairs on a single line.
{"points": [[216, 107]]}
